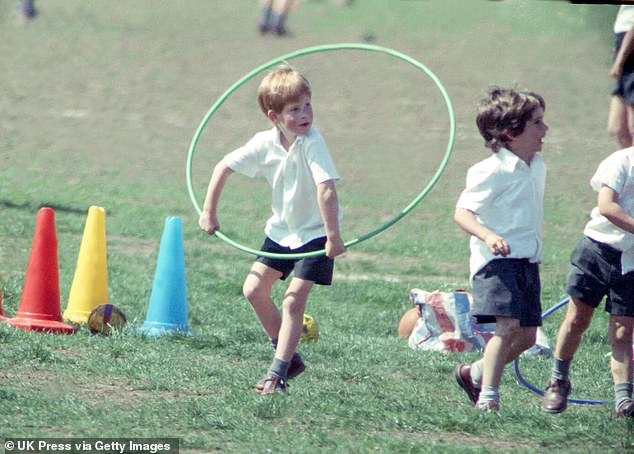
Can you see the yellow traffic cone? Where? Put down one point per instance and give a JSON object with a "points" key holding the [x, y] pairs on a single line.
{"points": [[90, 283]]}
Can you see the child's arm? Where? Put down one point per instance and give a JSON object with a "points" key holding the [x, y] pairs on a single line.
{"points": [[329, 208], [469, 223], [608, 203], [208, 220]]}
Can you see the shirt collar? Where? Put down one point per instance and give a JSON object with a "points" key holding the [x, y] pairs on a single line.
{"points": [[276, 138], [512, 161]]}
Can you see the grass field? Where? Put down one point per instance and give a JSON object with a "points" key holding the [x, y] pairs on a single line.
{"points": [[99, 101]]}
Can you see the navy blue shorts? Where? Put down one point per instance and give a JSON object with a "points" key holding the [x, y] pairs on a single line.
{"points": [[508, 288], [624, 86], [595, 272], [316, 269]]}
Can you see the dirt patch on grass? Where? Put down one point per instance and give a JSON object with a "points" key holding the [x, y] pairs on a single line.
{"points": [[115, 391]]}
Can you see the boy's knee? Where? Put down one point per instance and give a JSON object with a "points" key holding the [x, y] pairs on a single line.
{"points": [[579, 323], [522, 338], [620, 333], [621, 133], [616, 130], [252, 293], [293, 305]]}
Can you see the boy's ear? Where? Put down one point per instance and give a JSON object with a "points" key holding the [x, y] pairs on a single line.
{"points": [[507, 137], [271, 115]]}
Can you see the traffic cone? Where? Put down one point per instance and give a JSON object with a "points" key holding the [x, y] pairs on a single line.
{"points": [[167, 311], [90, 283], [39, 308], [2, 317]]}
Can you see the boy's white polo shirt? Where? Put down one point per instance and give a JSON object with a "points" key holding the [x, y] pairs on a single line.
{"points": [[293, 176], [617, 172], [507, 196], [624, 19]]}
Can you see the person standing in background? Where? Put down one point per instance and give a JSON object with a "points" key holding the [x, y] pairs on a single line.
{"points": [[621, 111], [26, 10], [273, 15]]}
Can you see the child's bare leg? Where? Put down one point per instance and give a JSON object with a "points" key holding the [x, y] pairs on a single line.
{"points": [[506, 344], [618, 122], [282, 6], [524, 340], [630, 125], [577, 319], [292, 317], [620, 335], [257, 290], [288, 338], [502, 347], [496, 351]]}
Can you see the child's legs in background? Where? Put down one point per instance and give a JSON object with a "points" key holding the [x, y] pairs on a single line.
{"points": [[620, 335], [293, 307], [257, 290], [618, 121], [282, 6]]}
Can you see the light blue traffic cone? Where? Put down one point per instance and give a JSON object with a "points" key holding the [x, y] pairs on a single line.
{"points": [[167, 311]]}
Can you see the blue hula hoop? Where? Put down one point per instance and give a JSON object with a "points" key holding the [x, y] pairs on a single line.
{"points": [[535, 389]]}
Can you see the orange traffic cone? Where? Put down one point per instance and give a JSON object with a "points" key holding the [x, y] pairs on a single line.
{"points": [[39, 308]]}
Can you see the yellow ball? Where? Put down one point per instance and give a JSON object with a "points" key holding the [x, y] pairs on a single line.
{"points": [[310, 329]]}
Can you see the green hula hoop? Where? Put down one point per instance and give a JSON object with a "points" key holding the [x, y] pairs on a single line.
{"points": [[313, 50]]}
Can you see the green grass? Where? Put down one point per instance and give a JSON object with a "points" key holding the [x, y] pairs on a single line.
{"points": [[98, 105]]}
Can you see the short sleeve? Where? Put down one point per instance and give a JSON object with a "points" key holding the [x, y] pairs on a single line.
{"points": [[478, 190], [612, 172], [246, 159], [320, 162]]}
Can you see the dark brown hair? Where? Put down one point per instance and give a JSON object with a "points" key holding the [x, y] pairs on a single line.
{"points": [[503, 113]]}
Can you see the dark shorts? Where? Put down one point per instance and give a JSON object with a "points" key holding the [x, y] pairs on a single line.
{"points": [[316, 269], [508, 288], [595, 272], [624, 86]]}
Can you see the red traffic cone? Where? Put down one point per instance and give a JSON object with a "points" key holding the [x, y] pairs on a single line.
{"points": [[40, 304], [2, 317]]}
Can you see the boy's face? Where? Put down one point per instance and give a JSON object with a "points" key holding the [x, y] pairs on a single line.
{"points": [[296, 117], [531, 139]]}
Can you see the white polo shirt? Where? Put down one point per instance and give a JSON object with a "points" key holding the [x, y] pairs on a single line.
{"points": [[507, 196], [624, 19], [293, 176], [617, 172]]}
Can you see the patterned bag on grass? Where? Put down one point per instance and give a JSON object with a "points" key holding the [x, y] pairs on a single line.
{"points": [[446, 324]]}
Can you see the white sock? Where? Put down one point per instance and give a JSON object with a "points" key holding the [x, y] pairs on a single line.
{"points": [[476, 373], [489, 393]]}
